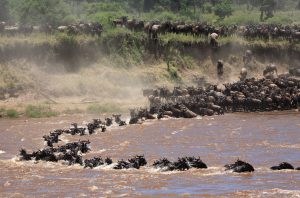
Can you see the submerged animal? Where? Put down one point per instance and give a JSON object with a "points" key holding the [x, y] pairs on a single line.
{"points": [[283, 166], [239, 167]]}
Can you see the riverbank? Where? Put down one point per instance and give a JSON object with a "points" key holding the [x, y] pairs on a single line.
{"points": [[77, 74]]}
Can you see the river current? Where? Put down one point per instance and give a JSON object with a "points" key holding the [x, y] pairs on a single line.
{"points": [[261, 139]]}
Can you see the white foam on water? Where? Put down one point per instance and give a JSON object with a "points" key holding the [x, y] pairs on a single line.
{"points": [[100, 151], [106, 167], [93, 188], [276, 191], [149, 122], [63, 138], [213, 171], [2, 152], [272, 145], [122, 195], [15, 159], [7, 184], [161, 171], [125, 143], [199, 118], [108, 192], [295, 146], [38, 176]]}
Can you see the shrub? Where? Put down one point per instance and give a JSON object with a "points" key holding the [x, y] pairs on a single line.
{"points": [[39, 111], [67, 50], [12, 113], [207, 7], [174, 74], [223, 9]]}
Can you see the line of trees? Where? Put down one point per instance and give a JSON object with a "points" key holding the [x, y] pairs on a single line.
{"points": [[64, 11]]}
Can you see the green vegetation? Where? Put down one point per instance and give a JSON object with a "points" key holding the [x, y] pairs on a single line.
{"points": [[39, 111], [60, 12], [12, 113], [40, 11], [119, 47], [223, 9]]}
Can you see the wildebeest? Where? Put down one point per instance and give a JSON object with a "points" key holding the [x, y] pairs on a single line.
{"points": [[283, 166], [243, 74], [270, 70], [181, 164], [213, 39], [121, 21], [240, 167]]}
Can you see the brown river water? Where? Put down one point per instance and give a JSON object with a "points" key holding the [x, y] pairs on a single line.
{"points": [[262, 139]]}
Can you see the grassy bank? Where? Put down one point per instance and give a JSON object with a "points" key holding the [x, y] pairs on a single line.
{"points": [[61, 74], [119, 45]]}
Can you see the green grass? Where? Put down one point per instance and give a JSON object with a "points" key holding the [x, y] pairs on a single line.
{"points": [[12, 113], [39, 111], [243, 16]]}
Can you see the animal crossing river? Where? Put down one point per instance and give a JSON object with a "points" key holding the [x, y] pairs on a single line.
{"points": [[262, 139]]}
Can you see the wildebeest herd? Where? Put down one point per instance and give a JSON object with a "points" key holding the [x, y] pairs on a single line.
{"points": [[72, 153], [281, 93], [154, 28]]}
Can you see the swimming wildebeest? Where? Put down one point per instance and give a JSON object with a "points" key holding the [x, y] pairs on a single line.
{"points": [[283, 166], [240, 167]]}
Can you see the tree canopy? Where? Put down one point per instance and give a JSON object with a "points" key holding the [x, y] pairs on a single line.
{"points": [[57, 12]]}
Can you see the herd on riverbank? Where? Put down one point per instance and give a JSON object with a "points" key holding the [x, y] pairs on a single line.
{"points": [[282, 93], [154, 28]]}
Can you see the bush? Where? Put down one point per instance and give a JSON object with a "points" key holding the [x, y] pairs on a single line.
{"points": [[223, 9], [40, 11], [67, 50], [12, 113], [207, 7], [174, 74], [39, 111]]}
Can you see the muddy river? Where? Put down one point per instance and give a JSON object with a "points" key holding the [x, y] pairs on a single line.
{"points": [[262, 139]]}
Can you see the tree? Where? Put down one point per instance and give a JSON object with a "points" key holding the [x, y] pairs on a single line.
{"points": [[175, 5], [223, 9], [136, 4], [267, 8], [149, 5], [54, 12], [4, 12]]}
